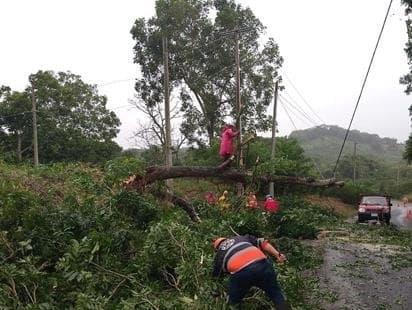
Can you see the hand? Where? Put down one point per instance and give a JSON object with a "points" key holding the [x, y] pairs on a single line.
{"points": [[281, 258]]}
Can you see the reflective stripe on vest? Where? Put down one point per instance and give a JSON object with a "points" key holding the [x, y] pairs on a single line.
{"points": [[231, 250], [244, 258]]}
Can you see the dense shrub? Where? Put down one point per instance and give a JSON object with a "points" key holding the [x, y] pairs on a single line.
{"points": [[350, 193], [134, 206], [86, 246], [299, 219]]}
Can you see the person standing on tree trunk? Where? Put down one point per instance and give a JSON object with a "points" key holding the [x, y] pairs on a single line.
{"points": [[226, 141], [243, 257]]}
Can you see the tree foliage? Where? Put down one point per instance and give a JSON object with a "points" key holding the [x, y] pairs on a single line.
{"points": [[73, 121], [69, 240], [202, 63], [407, 78]]}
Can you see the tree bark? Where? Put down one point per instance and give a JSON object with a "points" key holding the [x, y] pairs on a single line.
{"points": [[18, 155], [159, 173], [180, 202]]}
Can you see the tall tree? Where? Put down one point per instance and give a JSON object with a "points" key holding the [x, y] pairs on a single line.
{"points": [[16, 115], [202, 65], [73, 121], [407, 78]]}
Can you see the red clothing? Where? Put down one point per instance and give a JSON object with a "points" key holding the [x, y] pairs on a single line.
{"points": [[211, 198], [226, 143], [271, 205]]}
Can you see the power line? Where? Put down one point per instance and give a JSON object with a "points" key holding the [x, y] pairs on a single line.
{"points": [[363, 86], [307, 116], [293, 123], [302, 113], [294, 113], [287, 113], [303, 99], [114, 82]]}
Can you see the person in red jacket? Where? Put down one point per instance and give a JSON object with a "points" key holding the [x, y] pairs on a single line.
{"points": [[271, 204], [226, 143], [243, 257]]}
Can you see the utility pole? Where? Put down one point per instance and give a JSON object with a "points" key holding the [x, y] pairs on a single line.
{"points": [[167, 147], [354, 162], [272, 154], [238, 102], [34, 112], [397, 177]]}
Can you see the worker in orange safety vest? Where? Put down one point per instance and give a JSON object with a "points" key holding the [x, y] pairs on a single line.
{"points": [[243, 257]]}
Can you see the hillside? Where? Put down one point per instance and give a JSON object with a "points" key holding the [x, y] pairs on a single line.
{"points": [[323, 144]]}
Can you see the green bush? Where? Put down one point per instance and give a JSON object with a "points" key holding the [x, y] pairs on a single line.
{"points": [[349, 193], [299, 219], [120, 168], [133, 205]]}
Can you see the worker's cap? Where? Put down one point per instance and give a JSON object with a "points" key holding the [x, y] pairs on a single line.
{"points": [[217, 242], [268, 196]]}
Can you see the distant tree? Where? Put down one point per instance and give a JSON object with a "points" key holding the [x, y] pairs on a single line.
{"points": [[365, 167], [202, 63], [151, 130], [73, 122], [408, 150], [407, 78], [15, 118]]}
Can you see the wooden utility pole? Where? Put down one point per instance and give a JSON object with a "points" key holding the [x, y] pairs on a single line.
{"points": [[34, 112], [238, 102], [354, 162], [397, 177], [168, 143], [272, 154]]}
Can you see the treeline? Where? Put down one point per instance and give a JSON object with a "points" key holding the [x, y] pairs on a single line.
{"points": [[73, 123]]}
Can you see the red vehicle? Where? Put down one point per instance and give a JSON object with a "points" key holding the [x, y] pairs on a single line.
{"points": [[375, 207]]}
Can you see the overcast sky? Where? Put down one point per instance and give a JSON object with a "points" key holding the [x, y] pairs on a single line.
{"points": [[326, 44]]}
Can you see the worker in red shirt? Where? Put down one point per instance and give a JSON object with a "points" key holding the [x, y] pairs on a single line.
{"points": [[244, 259], [226, 141], [271, 204]]}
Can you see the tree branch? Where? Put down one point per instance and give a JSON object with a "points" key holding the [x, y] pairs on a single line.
{"points": [[158, 173]]}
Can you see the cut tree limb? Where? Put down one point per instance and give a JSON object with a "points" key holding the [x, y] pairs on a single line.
{"points": [[159, 173], [180, 202]]}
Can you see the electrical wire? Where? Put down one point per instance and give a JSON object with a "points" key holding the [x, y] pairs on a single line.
{"points": [[293, 123], [363, 86], [287, 113], [306, 120], [114, 82], [302, 111], [294, 113], [303, 99]]}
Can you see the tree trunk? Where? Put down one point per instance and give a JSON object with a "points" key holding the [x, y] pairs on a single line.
{"points": [[158, 173], [211, 134], [18, 151]]}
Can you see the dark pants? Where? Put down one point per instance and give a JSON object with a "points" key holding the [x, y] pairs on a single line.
{"points": [[260, 274]]}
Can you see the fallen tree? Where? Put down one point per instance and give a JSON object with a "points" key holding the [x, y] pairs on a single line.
{"points": [[159, 173]]}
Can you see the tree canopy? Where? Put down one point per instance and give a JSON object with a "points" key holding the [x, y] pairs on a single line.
{"points": [[73, 121], [407, 78], [202, 63]]}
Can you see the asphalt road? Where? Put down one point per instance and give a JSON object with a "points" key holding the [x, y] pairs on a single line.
{"points": [[399, 214]]}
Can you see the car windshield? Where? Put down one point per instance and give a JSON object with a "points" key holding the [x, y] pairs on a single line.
{"points": [[369, 200]]}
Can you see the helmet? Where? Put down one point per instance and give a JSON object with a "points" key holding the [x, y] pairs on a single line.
{"points": [[268, 196], [217, 242]]}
